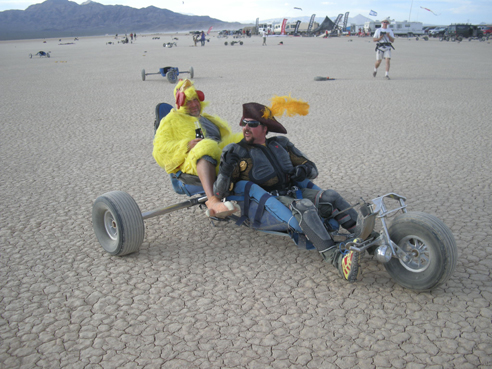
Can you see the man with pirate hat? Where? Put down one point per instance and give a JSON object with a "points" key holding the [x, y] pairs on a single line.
{"points": [[191, 141], [276, 164]]}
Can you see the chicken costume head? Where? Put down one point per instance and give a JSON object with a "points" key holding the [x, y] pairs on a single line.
{"points": [[185, 91]]}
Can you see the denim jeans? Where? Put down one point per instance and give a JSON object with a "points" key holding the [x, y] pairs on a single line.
{"points": [[327, 204]]}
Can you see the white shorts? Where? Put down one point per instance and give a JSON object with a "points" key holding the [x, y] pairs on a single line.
{"points": [[386, 54]]}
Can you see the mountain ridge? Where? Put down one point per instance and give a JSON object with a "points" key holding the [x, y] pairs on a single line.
{"points": [[63, 18]]}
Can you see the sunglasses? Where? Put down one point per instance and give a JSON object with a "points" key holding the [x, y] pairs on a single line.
{"points": [[250, 123]]}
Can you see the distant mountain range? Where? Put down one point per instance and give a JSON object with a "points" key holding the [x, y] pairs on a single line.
{"points": [[64, 18]]}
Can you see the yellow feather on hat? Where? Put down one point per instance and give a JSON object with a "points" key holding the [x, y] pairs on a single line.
{"points": [[289, 106]]}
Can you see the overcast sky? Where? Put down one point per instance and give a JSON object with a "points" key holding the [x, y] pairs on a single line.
{"points": [[447, 11]]}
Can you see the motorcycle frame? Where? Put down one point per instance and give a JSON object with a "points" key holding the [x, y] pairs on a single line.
{"points": [[383, 241], [378, 206]]}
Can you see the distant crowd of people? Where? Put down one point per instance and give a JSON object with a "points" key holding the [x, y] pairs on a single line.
{"points": [[133, 36], [199, 37]]}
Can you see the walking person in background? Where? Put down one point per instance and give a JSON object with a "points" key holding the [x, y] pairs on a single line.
{"points": [[384, 37], [263, 34]]}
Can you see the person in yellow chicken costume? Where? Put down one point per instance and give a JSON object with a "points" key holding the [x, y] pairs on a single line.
{"points": [[191, 141]]}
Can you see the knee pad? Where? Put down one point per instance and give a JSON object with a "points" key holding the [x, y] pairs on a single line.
{"points": [[302, 205]]}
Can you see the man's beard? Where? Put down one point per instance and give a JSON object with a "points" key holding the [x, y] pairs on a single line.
{"points": [[251, 139]]}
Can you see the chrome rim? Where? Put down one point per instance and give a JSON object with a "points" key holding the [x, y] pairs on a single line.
{"points": [[417, 258], [110, 225]]}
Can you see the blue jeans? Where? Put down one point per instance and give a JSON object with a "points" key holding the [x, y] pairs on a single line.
{"points": [[328, 203]]}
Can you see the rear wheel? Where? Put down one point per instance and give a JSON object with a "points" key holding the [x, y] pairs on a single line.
{"points": [[192, 72], [118, 223], [143, 74], [431, 252]]}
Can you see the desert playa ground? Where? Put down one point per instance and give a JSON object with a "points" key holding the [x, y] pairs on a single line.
{"points": [[80, 123]]}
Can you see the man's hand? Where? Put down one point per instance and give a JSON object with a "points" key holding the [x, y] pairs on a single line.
{"points": [[193, 143], [299, 173]]}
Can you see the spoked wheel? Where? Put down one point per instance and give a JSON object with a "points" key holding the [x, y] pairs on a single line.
{"points": [[172, 76], [431, 252], [143, 74], [192, 72], [118, 223]]}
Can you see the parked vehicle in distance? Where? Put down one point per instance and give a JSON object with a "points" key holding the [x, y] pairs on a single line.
{"points": [[406, 28], [437, 32], [457, 32], [487, 31], [428, 29]]}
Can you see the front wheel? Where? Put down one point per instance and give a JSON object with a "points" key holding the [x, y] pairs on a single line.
{"points": [[172, 76], [118, 223], [192, 72], [431, 252], [143, 74]]}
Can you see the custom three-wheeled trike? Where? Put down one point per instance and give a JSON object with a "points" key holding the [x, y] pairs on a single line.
{"points": [[417, 249]]}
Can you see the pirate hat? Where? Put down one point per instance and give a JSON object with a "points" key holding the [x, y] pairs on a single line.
{"points": [[280, 105], [264, 115]]}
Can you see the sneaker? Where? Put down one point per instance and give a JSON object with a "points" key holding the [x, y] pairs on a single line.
{"points": [[374, 73], [387, 77], [348, 266]]}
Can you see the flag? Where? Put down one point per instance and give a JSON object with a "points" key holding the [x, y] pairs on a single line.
{"points": [[372, 13], [311, 22], [429, 10], [282, 30], [345, 20]]}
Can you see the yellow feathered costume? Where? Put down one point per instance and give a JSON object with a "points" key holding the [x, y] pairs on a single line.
{"points": [[177, 129]]}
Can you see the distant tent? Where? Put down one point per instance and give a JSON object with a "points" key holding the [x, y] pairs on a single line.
{"points": [[327, 25]]}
